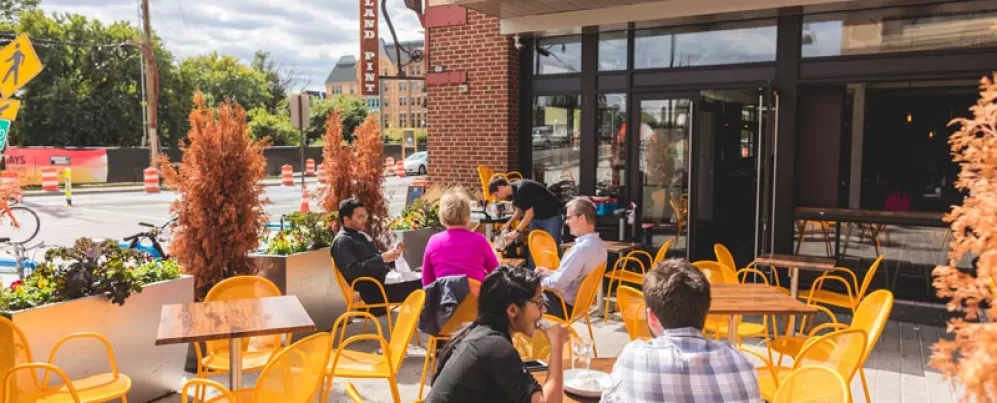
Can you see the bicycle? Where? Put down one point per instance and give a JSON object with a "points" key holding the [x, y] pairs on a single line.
{"points": [[24, 222], [157, 235], [20, 262]]}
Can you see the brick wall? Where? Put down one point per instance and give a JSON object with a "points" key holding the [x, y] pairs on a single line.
{"points": [[480, 126]]}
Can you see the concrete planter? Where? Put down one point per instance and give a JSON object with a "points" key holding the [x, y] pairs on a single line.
{"points": [[415, 244], [155, 371], [307, 275]]}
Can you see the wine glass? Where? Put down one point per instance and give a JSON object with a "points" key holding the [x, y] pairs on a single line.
{"points": [[581, 348]]}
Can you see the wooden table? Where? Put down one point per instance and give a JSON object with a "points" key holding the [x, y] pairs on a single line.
{"points": [[752, 299], [513, 261], [233, 319], [598, 364], [795, 263]]}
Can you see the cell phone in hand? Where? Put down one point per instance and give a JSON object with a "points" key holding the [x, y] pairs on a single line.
{"points": [[535, 365]]}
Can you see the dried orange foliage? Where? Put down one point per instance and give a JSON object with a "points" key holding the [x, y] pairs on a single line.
{"points": [[971, 357], [356, 171], [220, 212], [12, 189]]}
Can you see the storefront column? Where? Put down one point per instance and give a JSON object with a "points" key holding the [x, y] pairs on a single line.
{"points": [[472, 85], [787, 73]]}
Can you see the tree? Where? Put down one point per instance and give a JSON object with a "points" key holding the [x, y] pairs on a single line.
{"points": [[280, 79], [277, 128], [220, 211], [10, 10], [969, 357], [337, 159], [225, 77], [351, 109]]}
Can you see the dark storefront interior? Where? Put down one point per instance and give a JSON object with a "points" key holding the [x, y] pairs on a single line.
{"points": [[721, 131]]}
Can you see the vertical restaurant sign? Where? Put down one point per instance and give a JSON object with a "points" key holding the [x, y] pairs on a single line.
{"points": [[369, 47]]}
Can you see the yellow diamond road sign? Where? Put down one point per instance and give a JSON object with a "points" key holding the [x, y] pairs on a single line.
{"points": [[9, 108], [18, 64]]}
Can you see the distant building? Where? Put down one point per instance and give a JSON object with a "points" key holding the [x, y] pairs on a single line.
{"points": [[402, 103]]}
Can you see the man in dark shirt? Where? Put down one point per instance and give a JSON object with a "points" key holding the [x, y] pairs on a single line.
{"points": [[535, 204], [356, 256]]}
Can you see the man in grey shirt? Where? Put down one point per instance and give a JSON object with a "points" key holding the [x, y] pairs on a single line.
{"points": [[583, 258]]}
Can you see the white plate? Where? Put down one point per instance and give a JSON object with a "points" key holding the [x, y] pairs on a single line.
{"points": [[573, 378]]}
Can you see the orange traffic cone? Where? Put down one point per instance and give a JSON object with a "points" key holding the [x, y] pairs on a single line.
{"points": [[304, 199]]}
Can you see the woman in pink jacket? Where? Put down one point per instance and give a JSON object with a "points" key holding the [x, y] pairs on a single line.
{"points": [[457, 251]]}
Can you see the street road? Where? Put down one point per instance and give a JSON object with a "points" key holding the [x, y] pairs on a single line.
{"points": [[116, 215]]}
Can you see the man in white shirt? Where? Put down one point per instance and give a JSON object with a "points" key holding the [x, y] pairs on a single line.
{"points": [[584, 257]]}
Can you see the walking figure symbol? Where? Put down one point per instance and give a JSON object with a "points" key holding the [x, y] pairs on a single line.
{"points": [[16, 59]]}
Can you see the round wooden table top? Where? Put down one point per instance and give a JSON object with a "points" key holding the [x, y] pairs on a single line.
{"points": [[598, 364]]}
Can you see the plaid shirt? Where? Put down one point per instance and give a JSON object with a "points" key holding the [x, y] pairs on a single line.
{"points": [[682, 366]]}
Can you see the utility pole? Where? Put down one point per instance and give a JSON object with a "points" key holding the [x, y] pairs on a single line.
{"points": [[151, 82]]}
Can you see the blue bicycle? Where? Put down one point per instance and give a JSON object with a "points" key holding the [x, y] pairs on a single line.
{"points": [[19, 262], [156, 236]]}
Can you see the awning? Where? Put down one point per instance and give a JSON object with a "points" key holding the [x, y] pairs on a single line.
{"points": [[522, 8]]}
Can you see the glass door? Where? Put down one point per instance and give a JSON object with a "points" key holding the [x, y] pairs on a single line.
{"points": [[661, 139]]}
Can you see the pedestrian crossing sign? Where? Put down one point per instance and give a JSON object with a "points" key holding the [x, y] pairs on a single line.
{"points": [[4, 129], [18, 64]]}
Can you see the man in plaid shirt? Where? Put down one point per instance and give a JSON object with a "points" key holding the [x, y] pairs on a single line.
{"points": [[680, 365]]}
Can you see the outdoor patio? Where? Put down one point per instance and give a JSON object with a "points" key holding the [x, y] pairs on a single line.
{"points": [[897, 370]]}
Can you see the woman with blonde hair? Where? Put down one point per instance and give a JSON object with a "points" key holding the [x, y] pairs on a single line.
{"points": [[458, 251]]}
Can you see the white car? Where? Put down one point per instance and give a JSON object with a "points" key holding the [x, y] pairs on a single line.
{"points": [[417, 163]]}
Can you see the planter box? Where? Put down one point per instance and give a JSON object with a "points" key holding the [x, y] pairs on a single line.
{"points": [[155, 371], [307, 275], [415, 244]]}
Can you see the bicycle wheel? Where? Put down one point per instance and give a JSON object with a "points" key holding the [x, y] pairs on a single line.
{"points": [[26, 228]]}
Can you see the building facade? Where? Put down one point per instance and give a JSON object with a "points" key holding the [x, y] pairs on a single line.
{"points": [[402, 102], [789, 126]]}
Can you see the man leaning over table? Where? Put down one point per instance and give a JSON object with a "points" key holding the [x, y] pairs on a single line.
{"points": [[356, 256], [584, 257], [680, 365]]}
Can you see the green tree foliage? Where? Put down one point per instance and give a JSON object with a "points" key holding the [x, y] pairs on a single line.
{"points": [[11, 9], [278, 127], [280, 79], [351, 109], [225, 77]]}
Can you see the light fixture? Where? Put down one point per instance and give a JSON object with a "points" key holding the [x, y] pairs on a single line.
{"points": [[931, 134], [910, 118]]}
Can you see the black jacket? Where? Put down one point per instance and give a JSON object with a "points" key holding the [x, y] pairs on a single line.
{"points": [[442, 298], [356, 256]]}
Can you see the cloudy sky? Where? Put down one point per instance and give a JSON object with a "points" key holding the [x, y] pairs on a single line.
{"points": [[309, 35]]}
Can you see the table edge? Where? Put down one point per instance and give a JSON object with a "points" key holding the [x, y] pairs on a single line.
{"points": [[162, 341]]}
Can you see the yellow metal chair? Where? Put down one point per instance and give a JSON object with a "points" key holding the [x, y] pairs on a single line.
{"points": [[619, 274], [583, 301], [538, 347], [353, 301], [294, 375], [18, 363], [716, 272], [544, 250], [633, 309], [870, 317], [355, 364], [724, 256], [842, 351], [850, 299], [813, 384], [256, 351], [465, 312]]}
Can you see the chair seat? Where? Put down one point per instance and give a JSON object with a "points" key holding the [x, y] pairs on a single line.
{"points": [[251, 360], [743, 328], [790, 346], [356, 364], [625, 275], [767, 385], [97, 388], [828, 297]]}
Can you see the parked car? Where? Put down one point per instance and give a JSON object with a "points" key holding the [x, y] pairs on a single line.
{"points": [[417, 163]]}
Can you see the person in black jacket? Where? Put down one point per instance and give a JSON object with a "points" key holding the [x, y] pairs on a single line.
{"points": [[356, 256], [480, 364]]}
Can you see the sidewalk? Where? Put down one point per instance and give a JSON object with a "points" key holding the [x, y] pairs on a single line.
{"points": [[139, 187]]}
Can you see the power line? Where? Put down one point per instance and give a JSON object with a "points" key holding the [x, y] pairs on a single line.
{"points": [[7, 37]]}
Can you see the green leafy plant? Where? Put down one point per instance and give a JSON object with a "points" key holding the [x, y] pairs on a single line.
{"points": [[87, 268], [422, 213], [304, 232]]}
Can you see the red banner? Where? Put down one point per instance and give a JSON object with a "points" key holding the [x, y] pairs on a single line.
{"points": [[89, 166], [369, 48]]}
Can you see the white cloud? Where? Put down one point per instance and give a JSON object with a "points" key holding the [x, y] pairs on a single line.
{"points": [[306, 35]]}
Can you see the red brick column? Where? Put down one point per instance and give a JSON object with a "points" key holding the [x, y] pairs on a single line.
{"points": [[479, 125]]}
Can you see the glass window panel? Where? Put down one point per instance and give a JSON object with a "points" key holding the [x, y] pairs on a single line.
{"points": [[699, 46], [901, 29], [611, 164], [664, 168], [556, 133], [612, 51], [559, 55]]}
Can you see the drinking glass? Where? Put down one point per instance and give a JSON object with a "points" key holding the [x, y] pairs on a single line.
{"points": [[581, 348]]}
